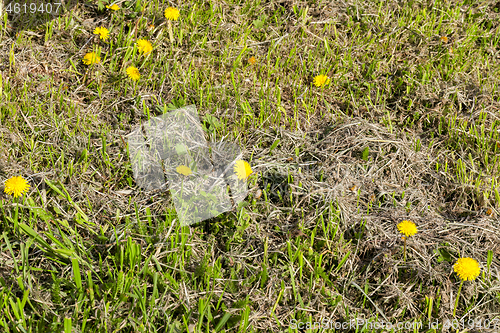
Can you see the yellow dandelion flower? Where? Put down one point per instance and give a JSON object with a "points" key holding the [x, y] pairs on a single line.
{"points": [[144, 46], [91, 58], [467, 269], [171, 13], [321, 80], [407, 228], [444, 39], [133, 73], [183, 170], [102, 32], [242, 169], [113, 7], [252, 60], [16, 186]]}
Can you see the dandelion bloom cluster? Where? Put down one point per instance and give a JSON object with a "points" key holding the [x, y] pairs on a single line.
{"points": [[133, 73], [16, 186], [467, 269], [113, 7], [321, 80], [91, 58], [184, 170], [242, 169], [171, 13], [144, 46], [252, 60], [407, 228], [102, 32]]}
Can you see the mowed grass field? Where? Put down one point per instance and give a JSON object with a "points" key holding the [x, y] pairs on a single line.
{"points": [[406, 129]]}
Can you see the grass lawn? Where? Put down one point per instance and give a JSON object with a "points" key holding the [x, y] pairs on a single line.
{"points": [[405, 127]]}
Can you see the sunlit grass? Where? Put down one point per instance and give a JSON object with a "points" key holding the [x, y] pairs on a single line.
{"points": [[91, 251]]}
